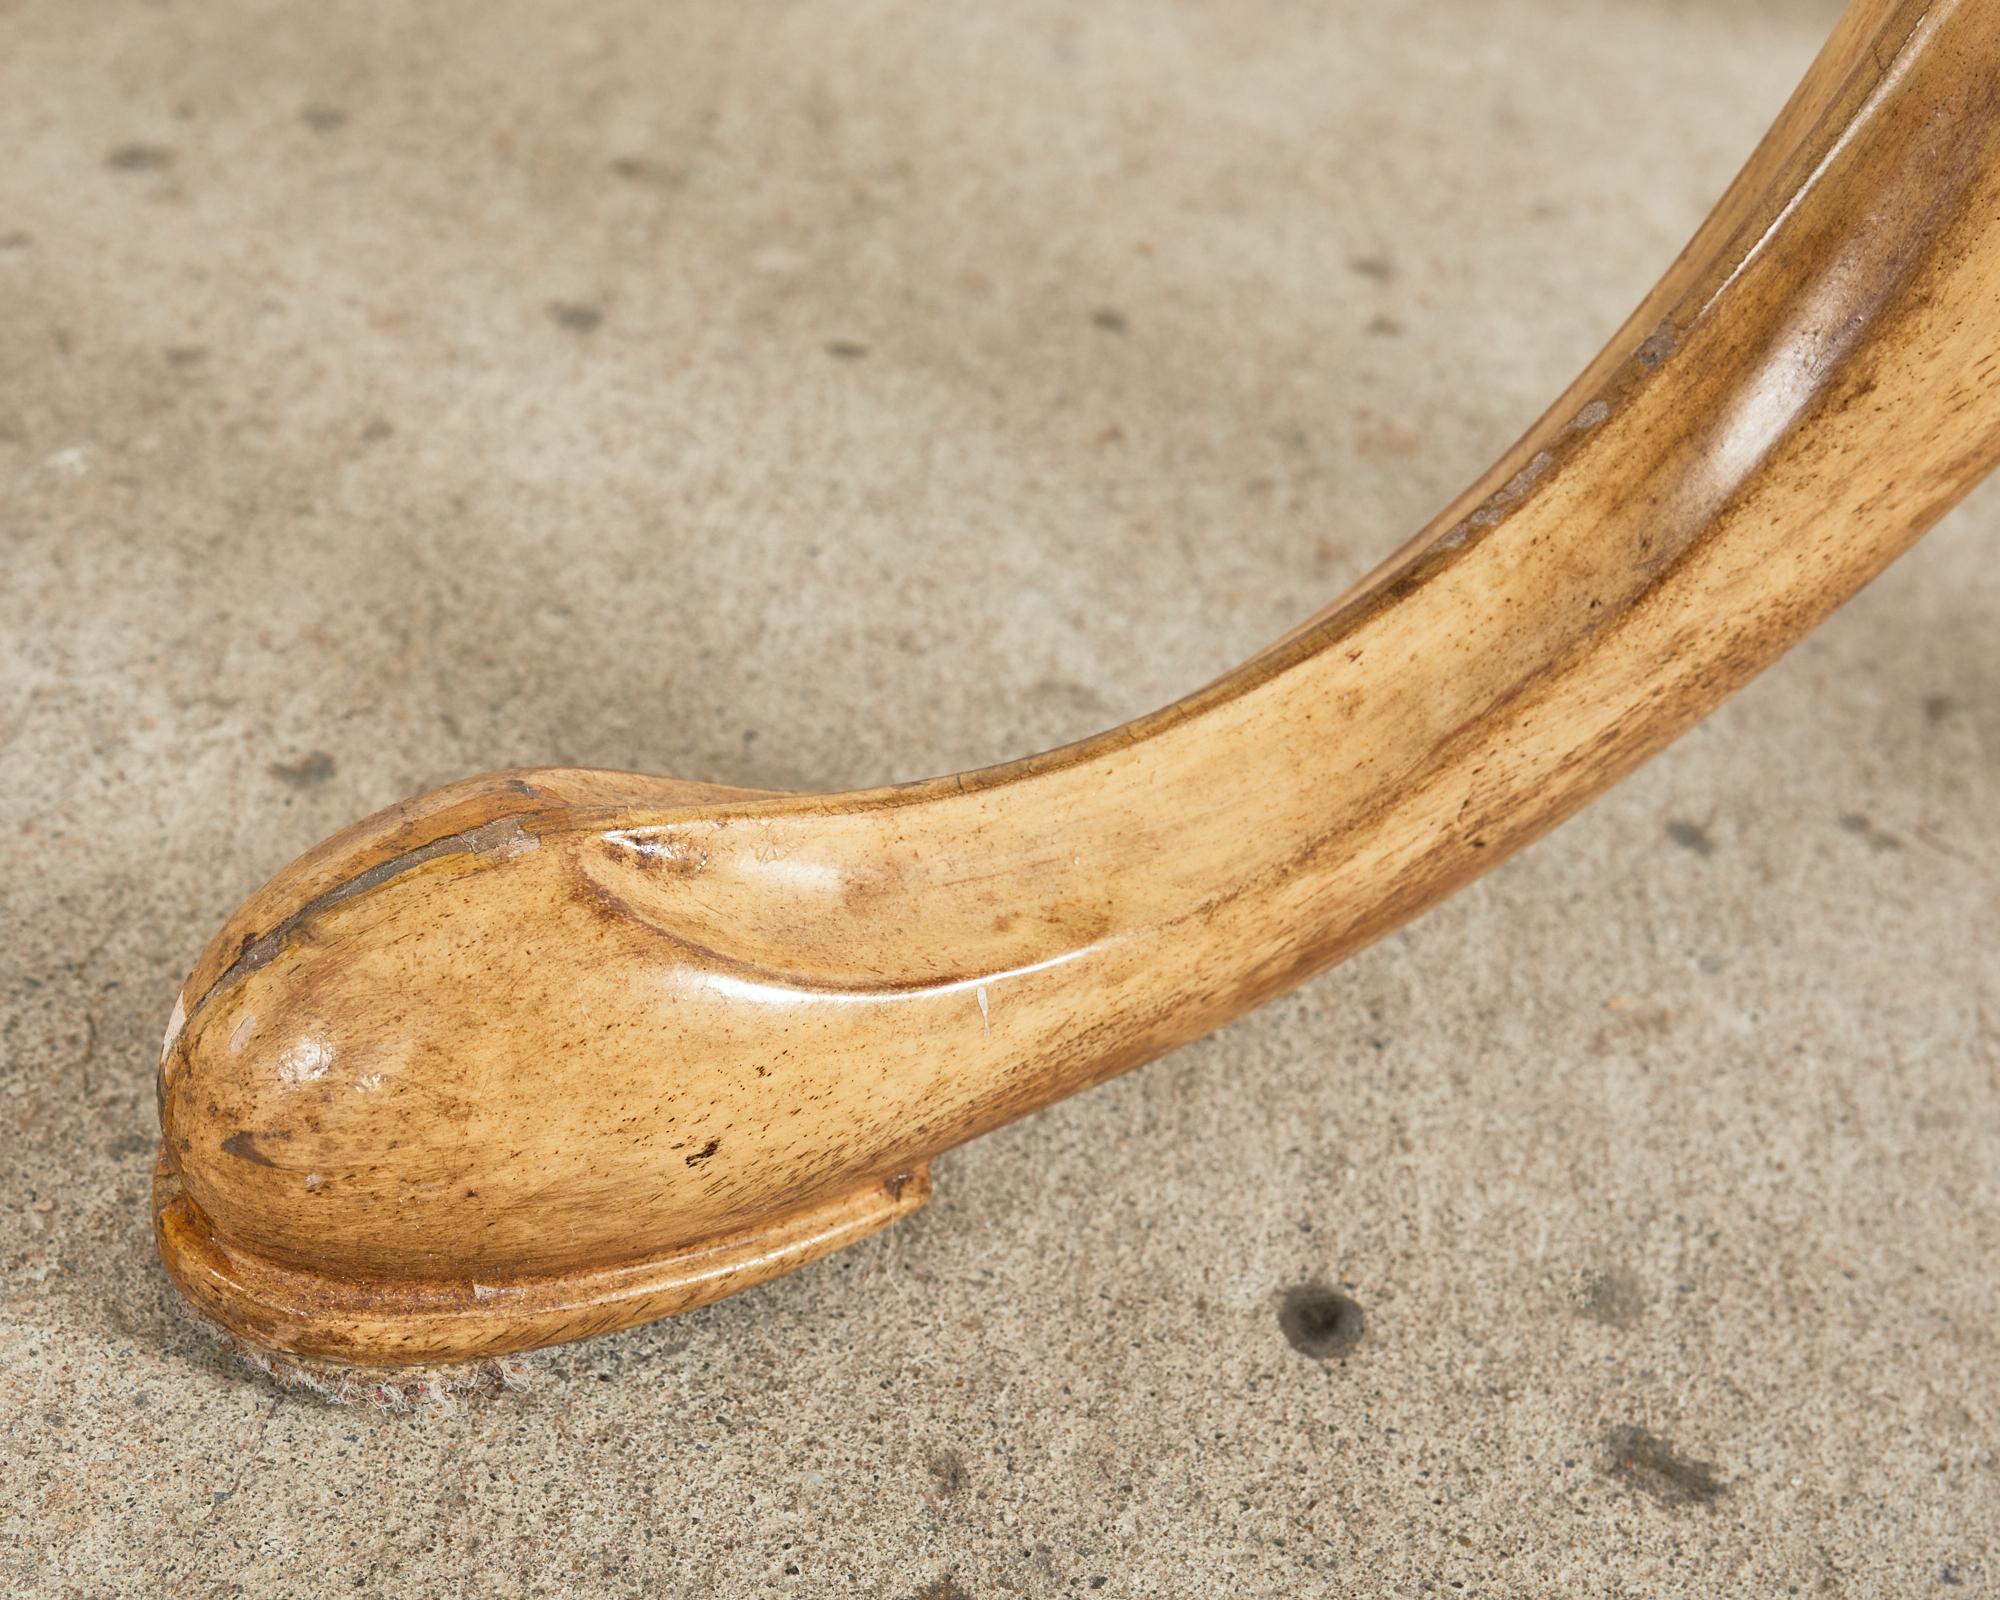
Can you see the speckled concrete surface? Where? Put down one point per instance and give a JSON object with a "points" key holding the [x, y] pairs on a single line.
{"points": [[808, 396]]}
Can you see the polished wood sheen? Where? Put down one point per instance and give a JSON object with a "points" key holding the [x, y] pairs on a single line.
{"points": [[552, 1052]]}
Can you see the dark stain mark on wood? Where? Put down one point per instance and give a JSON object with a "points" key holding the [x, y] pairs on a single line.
{"points": [[243, 1145], [704, 1152]]}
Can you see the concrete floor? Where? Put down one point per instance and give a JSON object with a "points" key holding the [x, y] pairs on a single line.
{"points": [[805, 397]]}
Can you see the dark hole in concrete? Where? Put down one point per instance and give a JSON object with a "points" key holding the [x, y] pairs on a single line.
{"points": [[1320, 1322], [314, 769], [1691, 836], [139, 158], [1648, 1463]]}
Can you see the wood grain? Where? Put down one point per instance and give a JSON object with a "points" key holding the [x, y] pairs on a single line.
{"points": [[552, 1052]]}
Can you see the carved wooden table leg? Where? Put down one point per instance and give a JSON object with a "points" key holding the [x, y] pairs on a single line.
{"points": [[552, 1052]]}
